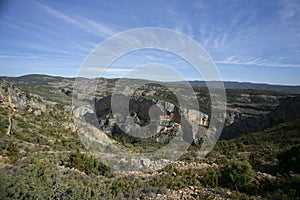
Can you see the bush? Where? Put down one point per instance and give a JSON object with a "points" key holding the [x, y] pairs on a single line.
{"points": [[42, 179], [12, 152], [290, 160], [87, 163], [237, 174], [210, 177], [173, 178]]}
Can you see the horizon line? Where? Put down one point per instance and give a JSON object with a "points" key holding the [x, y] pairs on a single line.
{"points": [[191, 80]]}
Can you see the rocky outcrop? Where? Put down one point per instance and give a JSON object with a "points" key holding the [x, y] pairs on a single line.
{"points": [[241, 117], [141, 110], [287, 110], [244, 126], [11, 97]]}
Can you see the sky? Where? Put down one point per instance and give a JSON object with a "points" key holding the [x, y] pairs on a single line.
{"points": [[249, 41]]}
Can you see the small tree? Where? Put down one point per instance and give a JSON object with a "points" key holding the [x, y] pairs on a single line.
{"points": [[237, 174], [211, 177], [13, 152], [289, 160]]}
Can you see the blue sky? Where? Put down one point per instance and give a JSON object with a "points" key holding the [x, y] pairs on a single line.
{"points": [[253, 41]]}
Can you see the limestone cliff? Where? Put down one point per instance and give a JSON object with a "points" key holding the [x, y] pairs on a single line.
{"points": [[171, 118], [11, 97], [287, 110]]}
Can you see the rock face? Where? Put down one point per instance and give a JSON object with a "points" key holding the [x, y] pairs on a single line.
{"points": [[287, 109], [14, 101], [245, 126], [247, 111], [11, 97], [244, 116], [164, 118]]}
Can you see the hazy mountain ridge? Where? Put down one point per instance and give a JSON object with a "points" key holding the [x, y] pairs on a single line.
{"points": [[253, 86], [44, 79]]}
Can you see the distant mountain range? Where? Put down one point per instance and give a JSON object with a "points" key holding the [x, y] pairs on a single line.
{"points": [[253, 86], [38, 78]]}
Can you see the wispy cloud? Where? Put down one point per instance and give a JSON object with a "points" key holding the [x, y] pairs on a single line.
{"points": [[253, 61], [290, 9], [185, 27], [51, 50], [30, 56], [28, 27], [110, 70], [228, 30], [91, 72], [54, 51], [25, 30], [93, 27], [20, 56], [48, 36]]}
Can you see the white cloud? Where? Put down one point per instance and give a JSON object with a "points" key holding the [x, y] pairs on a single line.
{"points": [[58, 14], [254, 61], [21, 56], [290, 9], [87, 25], [25, 30], [30, 56], [51, 50], [94, 72]]}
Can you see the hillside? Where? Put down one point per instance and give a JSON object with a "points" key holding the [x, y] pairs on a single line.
{"points": [[43, 153]]}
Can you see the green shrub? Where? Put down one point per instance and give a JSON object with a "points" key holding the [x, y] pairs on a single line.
{"points": [[289, 160], [236, 174], [87, 163], [173, 178], [210, 177], [42, 179], [13, 152]]}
